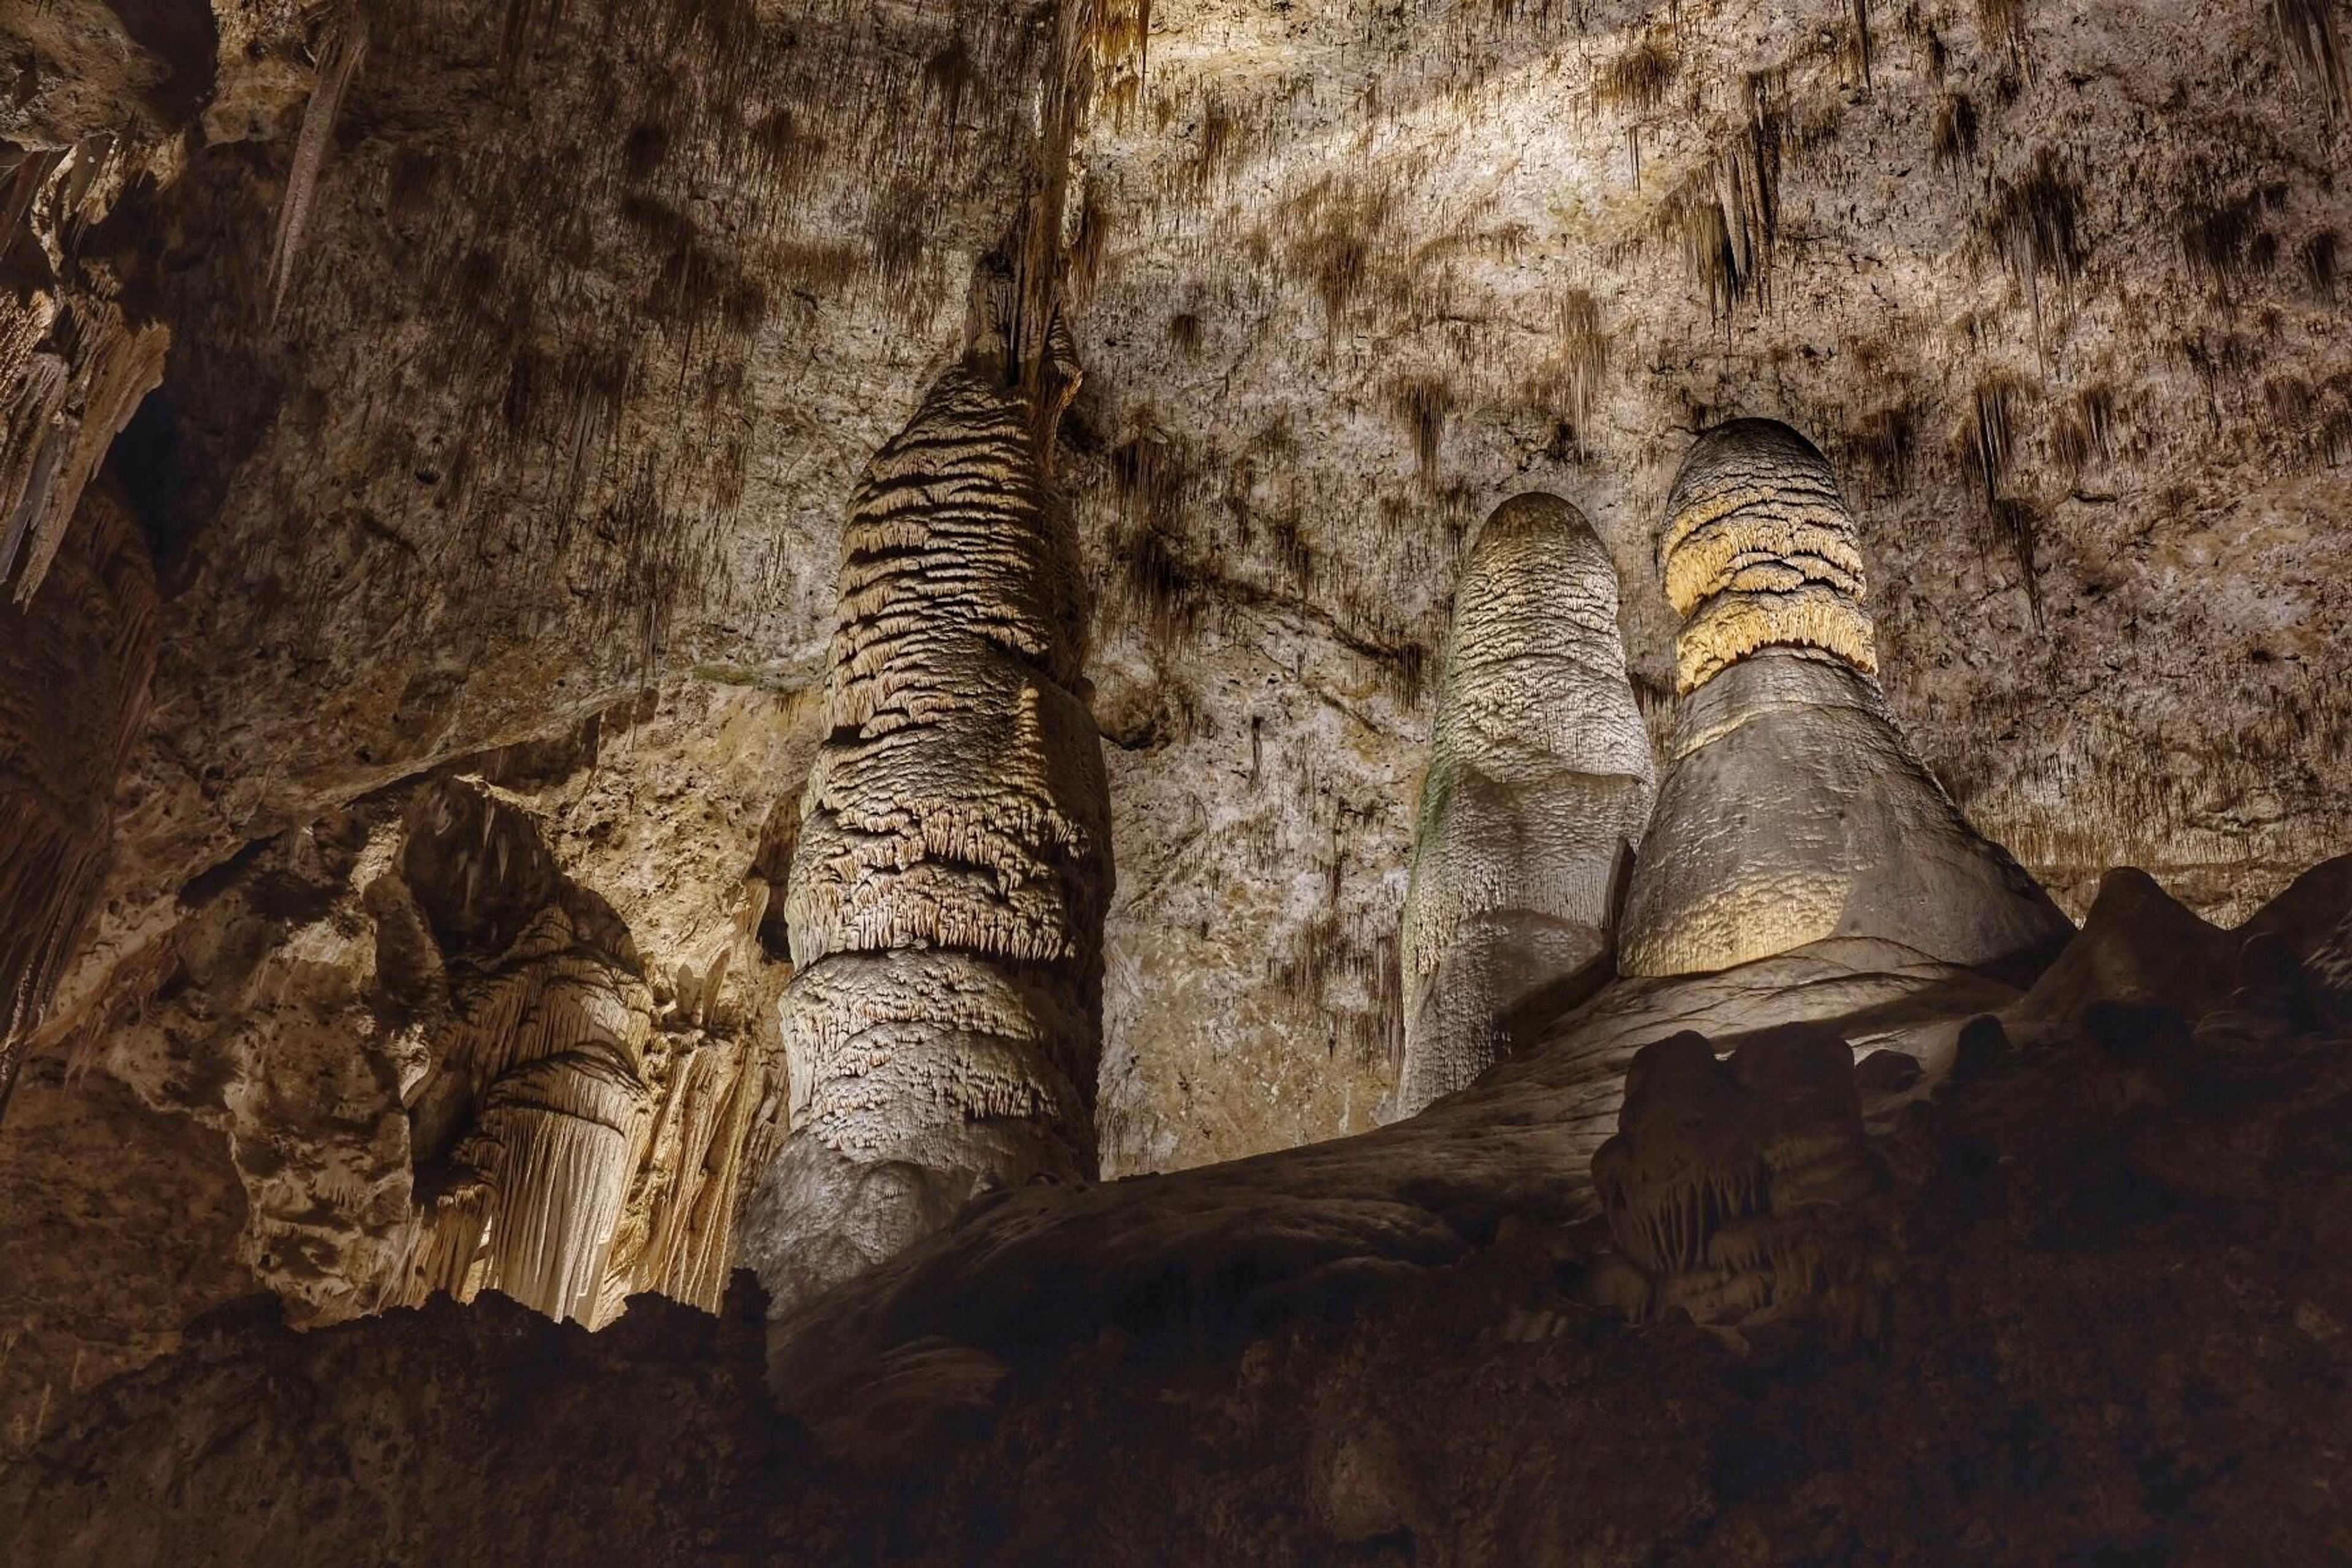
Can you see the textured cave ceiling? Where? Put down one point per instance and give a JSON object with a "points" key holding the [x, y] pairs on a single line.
{"points": [[524, 354]]}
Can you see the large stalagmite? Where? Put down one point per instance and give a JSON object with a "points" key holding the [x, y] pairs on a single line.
{"points": [[74, 667], [946, 896], [1538, 785], [1793, 809]]}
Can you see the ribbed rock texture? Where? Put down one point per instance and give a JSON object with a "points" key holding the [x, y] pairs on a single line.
{"points": [[545, 1115], [76, 650], [1793, 809], [1539, 788], [946, 896]]}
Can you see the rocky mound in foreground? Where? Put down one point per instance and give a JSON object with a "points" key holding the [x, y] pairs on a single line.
{"points": [[2083, 1297]]}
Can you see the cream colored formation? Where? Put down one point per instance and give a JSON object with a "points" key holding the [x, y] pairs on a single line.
{"points": [[573, 1152], [1538, 785], [1793, 809], [1800, 865], [947, 893]]}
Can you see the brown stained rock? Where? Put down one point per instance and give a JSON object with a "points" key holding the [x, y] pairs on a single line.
{"points": [[77, 650]]}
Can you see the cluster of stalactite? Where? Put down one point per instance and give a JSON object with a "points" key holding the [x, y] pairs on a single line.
{"points": [[1538, 786], [73, 364], [572, 1154], [946, 895], [75, 661]]}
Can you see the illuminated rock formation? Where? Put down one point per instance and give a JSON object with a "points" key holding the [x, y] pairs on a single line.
{"points": [[569, 1153], [947, 893], [74, 668], [1792, 810], [1538, 785]]}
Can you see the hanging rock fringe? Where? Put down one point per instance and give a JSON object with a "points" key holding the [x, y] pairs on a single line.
{"points": [[340, 54]]}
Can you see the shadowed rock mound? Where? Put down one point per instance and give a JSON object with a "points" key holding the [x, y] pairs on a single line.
{"points": [[2090, 1305], [1538, 786]]}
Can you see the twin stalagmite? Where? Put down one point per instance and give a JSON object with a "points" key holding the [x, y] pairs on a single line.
{"points": [[1791, 813]]}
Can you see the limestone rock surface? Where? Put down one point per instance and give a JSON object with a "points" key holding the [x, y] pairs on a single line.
{"points": [[1539, 788]]}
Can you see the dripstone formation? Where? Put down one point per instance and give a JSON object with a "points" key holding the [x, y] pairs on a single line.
{"points": [[76, 653], [1538, 785], [1793, 809], [946, 895]]}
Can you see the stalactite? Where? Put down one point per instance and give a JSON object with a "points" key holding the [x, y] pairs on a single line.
{"points": [[587, 1157], [1540, 783], [74, 669], [1793, 809], [948, 887], [71, 375], [339, 57]]}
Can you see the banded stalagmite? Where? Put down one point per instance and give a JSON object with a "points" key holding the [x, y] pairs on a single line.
{"points": [[1538, 785], [74, 660], [946, 895], [1793, 808]]}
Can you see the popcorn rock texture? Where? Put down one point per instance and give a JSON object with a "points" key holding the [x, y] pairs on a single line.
{"points": [[946, 896]]}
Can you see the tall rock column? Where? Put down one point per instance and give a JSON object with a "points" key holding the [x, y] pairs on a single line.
{"points": [[1793, 808], [1538, 786], [947, 893], [74, 660]]}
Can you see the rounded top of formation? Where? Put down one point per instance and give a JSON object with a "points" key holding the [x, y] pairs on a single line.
{"points": [[1537, 573], [1737, 452], [1760, 551]]}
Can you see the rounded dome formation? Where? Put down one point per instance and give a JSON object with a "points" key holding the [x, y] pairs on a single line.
{"points": [[1760, 551], [1538, 785]]}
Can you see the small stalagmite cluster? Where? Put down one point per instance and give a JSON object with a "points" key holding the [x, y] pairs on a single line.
{"points": [[1538, 786], [1736, 1189], [1793, 809], [76, 654], [947, 891]]}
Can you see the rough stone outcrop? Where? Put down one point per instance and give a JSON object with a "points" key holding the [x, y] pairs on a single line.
{"points": [[1793, 809], [1538, 786], [2114, 1275], [76, 654], [946, 895], [1733, 1186], [569, 1152]]}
